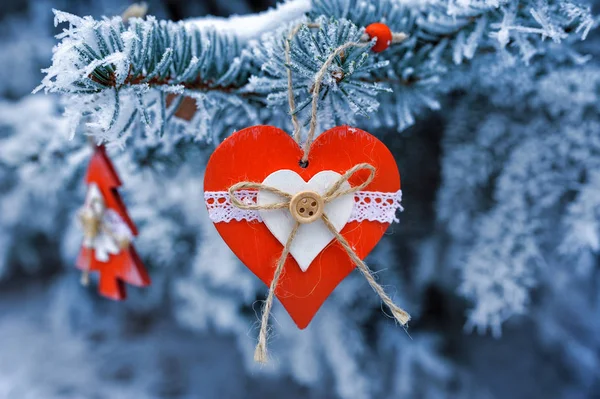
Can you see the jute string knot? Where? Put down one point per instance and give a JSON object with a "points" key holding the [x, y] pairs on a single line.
{"points": [[334, 192]]}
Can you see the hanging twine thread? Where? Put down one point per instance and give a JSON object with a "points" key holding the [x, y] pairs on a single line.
{"points": [[365, 40], [334, 192], [288, 60]]}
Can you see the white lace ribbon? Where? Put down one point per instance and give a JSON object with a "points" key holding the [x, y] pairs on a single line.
{"points": [[373, 206]]}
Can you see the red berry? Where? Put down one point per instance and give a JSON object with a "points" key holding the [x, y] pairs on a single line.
{"points": [[383, 35]]}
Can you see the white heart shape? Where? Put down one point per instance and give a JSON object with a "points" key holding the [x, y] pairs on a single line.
{"points": [[311, 238]]}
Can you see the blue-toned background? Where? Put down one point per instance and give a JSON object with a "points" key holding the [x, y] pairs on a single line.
{"points": [[496, 255]]}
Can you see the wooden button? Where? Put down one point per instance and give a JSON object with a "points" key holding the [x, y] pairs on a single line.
{"points": [[306, 206]]}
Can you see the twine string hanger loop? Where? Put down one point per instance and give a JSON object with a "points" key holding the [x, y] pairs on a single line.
{"points": [[397, 37]]}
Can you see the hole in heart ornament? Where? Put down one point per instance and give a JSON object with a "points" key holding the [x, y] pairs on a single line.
{"points": [[257, 222]]}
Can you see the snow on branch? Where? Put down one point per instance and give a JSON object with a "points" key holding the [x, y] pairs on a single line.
{"points": [[246, 27], [116, 74]]}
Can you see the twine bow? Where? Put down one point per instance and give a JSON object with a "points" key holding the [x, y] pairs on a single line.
{"points": [[335, 191]]}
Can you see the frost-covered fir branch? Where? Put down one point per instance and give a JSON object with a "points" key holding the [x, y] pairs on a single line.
{"points": [[349, 85], [517, 185], [116, 75]]}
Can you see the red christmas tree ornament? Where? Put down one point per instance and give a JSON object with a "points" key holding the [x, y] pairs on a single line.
{"points": [[108, 232], [383, 34]]}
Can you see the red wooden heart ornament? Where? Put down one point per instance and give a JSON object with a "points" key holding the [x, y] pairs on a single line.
{"points": [[256, 152]]}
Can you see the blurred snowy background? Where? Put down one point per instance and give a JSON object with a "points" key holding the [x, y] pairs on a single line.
{"points": [[496, 255]]}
